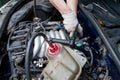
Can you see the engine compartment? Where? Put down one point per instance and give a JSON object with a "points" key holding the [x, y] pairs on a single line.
{"points": [[22, 29], [19, 46]]}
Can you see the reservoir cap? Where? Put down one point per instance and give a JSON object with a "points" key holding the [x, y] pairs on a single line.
{"points": [[54, 49]]}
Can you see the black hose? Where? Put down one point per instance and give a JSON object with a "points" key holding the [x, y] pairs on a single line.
{"points": [[91, 55], [29, 53], [103, 37]]}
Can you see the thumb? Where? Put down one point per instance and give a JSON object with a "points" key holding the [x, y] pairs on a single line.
{"points": [[80, 30], [71, 34]]}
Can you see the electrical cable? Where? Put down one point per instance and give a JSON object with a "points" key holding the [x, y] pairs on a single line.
{"points": [[35, 15]]}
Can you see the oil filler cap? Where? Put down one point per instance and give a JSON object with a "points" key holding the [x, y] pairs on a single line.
{"points": [[54, 49]]}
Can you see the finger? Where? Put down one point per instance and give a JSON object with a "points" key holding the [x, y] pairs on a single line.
{"points": [[71, 34], [80, 30]]}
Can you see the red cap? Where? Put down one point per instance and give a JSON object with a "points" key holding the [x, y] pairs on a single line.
{"points": [[54, 49]]}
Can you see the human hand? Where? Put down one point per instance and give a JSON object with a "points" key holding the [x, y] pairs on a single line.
{"points": [[71, 23]]}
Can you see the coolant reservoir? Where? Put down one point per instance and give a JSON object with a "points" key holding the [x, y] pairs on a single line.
{"points": [[64, 63]]}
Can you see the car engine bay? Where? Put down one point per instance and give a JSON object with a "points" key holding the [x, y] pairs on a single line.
{"points": [[43, 63], [33, 48]]}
